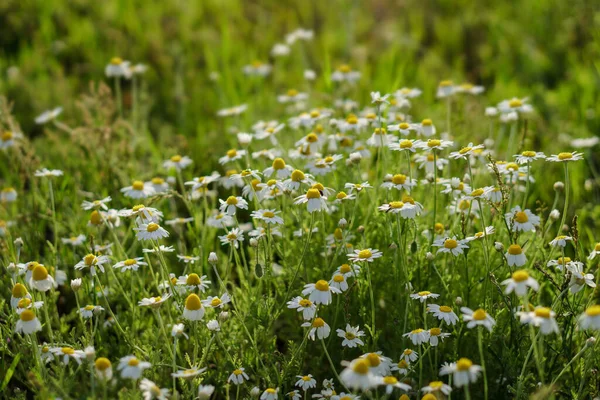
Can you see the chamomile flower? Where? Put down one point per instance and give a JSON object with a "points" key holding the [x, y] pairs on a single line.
{"points": [[590, 319], [305, 306], [90, 310], [314, 200], [295, 395], [48, 173], [234, 237], [565, 157], [477, 318], [158, 184], [40, 279], [579, 279], [132, 368], [522, 220], [96, 204], [561, 241], [187, 259], [435, 144], [466, 151], [142, 213], [268, 216], [68, 353], [519, 282], [407, 145], [48, 115], [450, 245], [238, 376], [437, 386], [399, 182], [542, 317], [445, 89], [178, 330], [292, 95], [357, 374], [344, 73], [318, 327], [408, 356], [193, 310], [365, 255], [379, 364], [177, 162], [320, 292], [269, 394], [429, 162], [560, 263], [436, 335], [463, 372], [348, 270], [150, 390], [595, 252], [257, 68], [296, 179], [406, 210], [205, 391], [231, 156], [188, 373], [130, 264], [443, 313], [74, 240], [351, 336], [8, 139], [28, 323], [279, 168], [528, 156], [216, 301], [151, 231], [25, 304], [232, 203], [417, 336], [403, 127], [138, 190], [424, 296], [103, 369], [306, 382], [154, 302], [203, 181], [515, 105], [391, 383], [19, 292], [194, 281], [515, 256]]}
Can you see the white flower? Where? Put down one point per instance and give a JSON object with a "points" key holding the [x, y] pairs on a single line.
{"points": [[391, 382], [269, 216], [443, 313], [528, 156], [423, 296], [233, 237], [193, 309], [379, 364], [269, 394], [216, 302], [151, 391], [437, 386], [377, 98], [351, 336], [477, 317], [315, 201], [232, 203], [48, 115], [435, 144], [542, 317], [318, 327], [561, 241], [465, 152], [213, 325], [578, 278], [238, 376], [103, 369], [451, 245], [435, 335], [188, 373], [74, 240], [306, 382], [68, 353], [40, 279], [366, 255], [320, 292], [358, 375], [463, 372], [130, 264], [132, 368], [151, 231], [89, 311], [194, 281], [515, 256], [138, 190], [178, 330], [48, 173], [565, 157], [154, 302], [177, 162], [524, 221], [417, 336], [519, 282], [305, 306], [590, 319], [118, 68], [28, 323]]}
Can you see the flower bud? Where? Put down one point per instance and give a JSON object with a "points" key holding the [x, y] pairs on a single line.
{"points": [[343, 223], [213, 325], [212, 258], [554, 214], [458, 301], [355, 157], [429, 256], [253, 242], [499, 246], [254, 392], [559, 186], [223, 316], [360, 229], [75, 284], [19, 242]]}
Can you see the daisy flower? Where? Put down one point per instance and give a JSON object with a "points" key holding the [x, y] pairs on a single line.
{"points": [[158, 184], [320, 292], [357, 375], [465, 152], [96, 204], [216, 302], [522, 220], [306, 382], [205, 391], [194, 281], [594, 252], [436, 335], [25, 303], [305, 306], [316, 202], [48, 115], [590, 319], [40, 279], [48, 173], [28, 323], [463, 372], [351, 336], [435, 144], [234, 237], [177, 162], [279, 168], [138, 190], [565, 157], [366, 255], [445, 89], [477, 317], [443, 313], [292, 95], [151, 391], [143, 213], [338, 281], [151, 231], [519, 282], [92, 262], [560, 241], [403, 127], [417, 336], [515, 256], [528, 156], [560, 263], [318, 327], [103, 368], [399, 182], [188, 373], [90, 310], [238, 376], [451, 245], [357, 187], [232, 203], [154, 302], [344, 73], [429, 162], [348, 270], [409, 356], [257, 68], [579, 279], [391, 383], [193, 310], [269, 394], [423, 296], [379, 364], [132, 368], [269, 216], [542, 317], [295, 395], [19, 292], [68, 353], [232, 155], [203, 181], [178, 330], [437, 386], [130, 264]]}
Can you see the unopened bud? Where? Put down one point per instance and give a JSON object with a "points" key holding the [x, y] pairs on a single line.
{"points": [[554, 214], [355, 157], [429, 256], [75, 284], [499, 246], [559, 186], [223, 316], [458, 301], [343, 223], [254, 392], [212, 258], [393, 246], [360, 229], [253, 242], [590, 341], [19, 242]]}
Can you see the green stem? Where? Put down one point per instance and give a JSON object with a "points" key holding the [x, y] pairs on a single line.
{"points": [[482, 360]]}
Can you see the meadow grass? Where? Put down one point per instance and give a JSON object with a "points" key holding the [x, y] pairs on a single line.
{"points": [[425, 279]]}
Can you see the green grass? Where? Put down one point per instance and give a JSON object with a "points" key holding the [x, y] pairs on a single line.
{"points": [[54, 53]]}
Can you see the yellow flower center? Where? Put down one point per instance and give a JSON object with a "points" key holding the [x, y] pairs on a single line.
{"points": [[344, 68], [305, 303], [341, 195], [215, 302], [439, 228], [313, 194], [318, 323], [268, 214], [130, 262], [352, 119], [271, 391], [312, 138], [292, 93], [24, 302], [416, 331], [424, 293], [593, 311], [399, 179], [297, 175], [345, 268], [542, 312], [450, 244], [512, 166], [6, 136], [514, 249], [445, 309], [152, 227], [396, 204], [278, 163], [364, 254], [68, 350], [434, 142], [95, 218], [477, 192], [390, 380], [116, 61], [563, 260], [232, 201], [430, 157], [192, 302], [322, 285], [427, 396], [102, 363], [19, 291], [134, 362], [373, 359], [176, 158], [445, 83], [231, 236], [464, 364], [314, 114], [565, 156], [479, 314], [231, 153], [137, 185], [528, 153], [89, 308], [39, 273], [427, 122], [520, 276], [465, 150], [514, 103], [436, 384], [521, 217], [193, 280], [306, 378], [435, 331], [237, 371], [403, 125], [338, 278], [405, 144], [27, 315], [337, 234]]}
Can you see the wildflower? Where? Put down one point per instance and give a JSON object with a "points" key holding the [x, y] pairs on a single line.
{"points": [[477, 317], [561, 241], [403, 127], [423, 296], [524, 221], [19, 292], [130, 264], [232, 203], [399, 182], [269, 216], [132, 368], [305, 306], [193, 281], [358, 375], [528, 156], [269, 394], [451, 245], [74, 240], [348, 270], [103, 368], [366, 255], [178, 162], [351, 336], [306, 382], [406, 210], [193, 310], [515, 105], [590, 319], [594, 252], [234, 237], [40, 279], [320, 292], [515, 256], [565, 157], [519, 282], [151, 231], [579, 279], [48, 173], [216, 302], [463, 372], [314, 199], [435, 335], [96, 204], [466, 151], [154, 302], [68, 353], [391, 382], [435, 144], [417, 336], [143, 213], [8, 195], [48, 115], [118, 68], [257, 68], [238, 376], [378, 364], [138, 190], [318, 327], [28, 323], [188, 373], [443, 313], [151, 391], [543, 317], [437, 386], [344, 73], [89, 310], [445, 89]]}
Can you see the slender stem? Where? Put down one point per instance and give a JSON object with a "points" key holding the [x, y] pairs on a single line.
{"points": [[332, 365], [434, 197], [372, 303], [482, 360], [566, 206]]}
